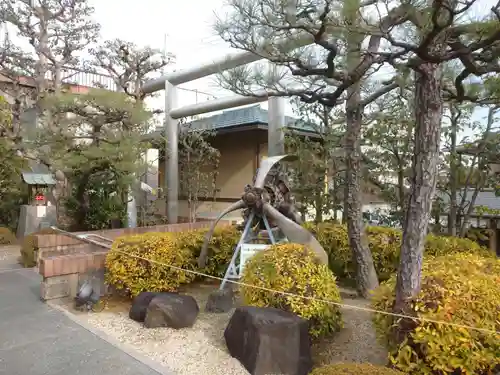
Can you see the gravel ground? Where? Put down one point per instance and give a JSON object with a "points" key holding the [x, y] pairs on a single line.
{"points": [[201, 349], [356, 342], [197, 350]]}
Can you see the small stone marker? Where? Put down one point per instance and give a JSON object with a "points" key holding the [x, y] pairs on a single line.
{"points": [[220, 301], [269, 341]]}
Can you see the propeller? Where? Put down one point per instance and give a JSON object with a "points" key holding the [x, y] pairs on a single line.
{"points": [[267, 165], [295, 232], [257, 198]]}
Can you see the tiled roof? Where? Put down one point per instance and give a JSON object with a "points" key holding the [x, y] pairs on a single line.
{"points": [[254, 115], [484, 198], [38, 174], [38, 178]]}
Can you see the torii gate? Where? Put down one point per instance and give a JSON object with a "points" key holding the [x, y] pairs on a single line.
{"points": [[173, 113]]}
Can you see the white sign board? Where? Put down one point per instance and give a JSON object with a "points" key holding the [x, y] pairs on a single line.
{"points": [[41, 211], [249, 250]]}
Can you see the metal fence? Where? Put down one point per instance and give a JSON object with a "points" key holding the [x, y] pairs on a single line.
{"points": [[80, 77]]}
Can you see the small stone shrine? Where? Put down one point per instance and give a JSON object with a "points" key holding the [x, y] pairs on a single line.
{"points": [[39, 212]]}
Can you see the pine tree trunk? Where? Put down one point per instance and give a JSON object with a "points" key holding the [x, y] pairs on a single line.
{"points": [[318, 205], [454, 165], [401, 193], [428, 112], [366, 276], [42, 66]]}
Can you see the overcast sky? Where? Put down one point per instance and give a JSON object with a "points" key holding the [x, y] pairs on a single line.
{"points": [[185, 28]]}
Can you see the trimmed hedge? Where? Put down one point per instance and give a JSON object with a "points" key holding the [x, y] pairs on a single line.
{"points": [[354, 369], [333, 237], [126, 270], [294, 269], [385, 244], [220, 248], [7, 237], [459, 288], [180, 249]]}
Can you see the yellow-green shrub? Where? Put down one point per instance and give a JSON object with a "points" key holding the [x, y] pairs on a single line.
{"points": [[220, 247], [442, 245], [463, 289], [385, 244], [6, 236], [354, 369], [127, 272], [333, 237], [294, 269], [180, 249], [29, 247]]}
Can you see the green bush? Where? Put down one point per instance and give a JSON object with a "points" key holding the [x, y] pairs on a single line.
{"points": [[7, 237], [127, 272], [29, 247], [105, 194], [220, 247], [333, 237], [443, 245], [294, 269], [385, 244], [180, 249], [354, 369], [463, 289]]}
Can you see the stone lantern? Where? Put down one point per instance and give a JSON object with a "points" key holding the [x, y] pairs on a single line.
{"points": [[39, 212]]}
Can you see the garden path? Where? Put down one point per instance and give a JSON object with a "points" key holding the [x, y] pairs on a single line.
{"points": [[37, 339]]}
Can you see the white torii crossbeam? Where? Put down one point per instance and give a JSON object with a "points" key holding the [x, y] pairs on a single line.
{"points": [[173, 113]]}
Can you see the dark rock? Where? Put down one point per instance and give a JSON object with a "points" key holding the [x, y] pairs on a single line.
{"points": [[220, 301], [140, 305], [269, 341], [171, 310]]}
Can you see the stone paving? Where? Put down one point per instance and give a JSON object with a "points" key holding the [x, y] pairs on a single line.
{"points": [[36, 339]]}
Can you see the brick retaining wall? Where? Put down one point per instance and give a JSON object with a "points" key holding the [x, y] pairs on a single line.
{"points": [[64, 261]]}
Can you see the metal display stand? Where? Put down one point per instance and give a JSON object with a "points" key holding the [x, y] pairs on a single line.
{"points": [[245, 245]]}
